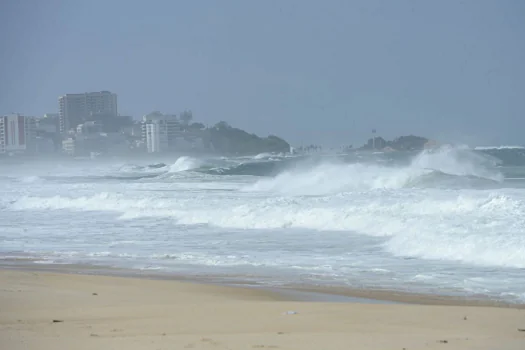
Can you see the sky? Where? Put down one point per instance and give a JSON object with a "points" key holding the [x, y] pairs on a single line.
{"points": [[324, 72]]}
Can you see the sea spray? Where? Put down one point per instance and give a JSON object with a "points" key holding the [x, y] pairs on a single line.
{"points": [[333, 175], [441, 220], [184, 164], [459, 162]]}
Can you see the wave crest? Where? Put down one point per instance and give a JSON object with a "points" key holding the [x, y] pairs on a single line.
{"points": [[426, 169], [464, 227], [184, 164]]}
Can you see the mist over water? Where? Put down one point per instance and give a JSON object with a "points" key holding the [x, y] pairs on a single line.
{"points": [[449, 221]]}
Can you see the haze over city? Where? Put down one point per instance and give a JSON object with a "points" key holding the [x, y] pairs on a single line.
{"points": [[309, 71], [271, 174]]}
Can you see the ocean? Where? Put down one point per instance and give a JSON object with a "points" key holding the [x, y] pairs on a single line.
{"points": [[449, 221]]}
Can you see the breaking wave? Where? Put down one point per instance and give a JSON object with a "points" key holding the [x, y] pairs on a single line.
{"points": [[185, 164], [446, 167], [465, 227], [484, 148], [419, 215]]}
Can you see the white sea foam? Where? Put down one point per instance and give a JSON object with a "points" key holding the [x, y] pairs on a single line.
{"points": [[458, 227], [481, 148], [347, 223], [454, 161], [184, 164], [30, 179], [333, 177], [262, 156]]}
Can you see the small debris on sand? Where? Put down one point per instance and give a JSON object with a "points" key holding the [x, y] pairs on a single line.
{"points": [[291, 313]]}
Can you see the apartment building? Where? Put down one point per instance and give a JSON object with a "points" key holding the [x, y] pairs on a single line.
{"points": [[17, 134], [74, 109], [160, 132]]}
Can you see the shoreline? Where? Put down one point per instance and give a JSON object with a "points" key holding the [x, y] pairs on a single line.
{"points": [[53, 311], [292, 291]]}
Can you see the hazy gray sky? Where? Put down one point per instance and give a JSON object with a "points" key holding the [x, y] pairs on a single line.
{"points": [[310, 71]]}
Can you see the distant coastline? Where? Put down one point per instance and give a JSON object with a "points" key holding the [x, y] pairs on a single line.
{"points": [[402, 143]]}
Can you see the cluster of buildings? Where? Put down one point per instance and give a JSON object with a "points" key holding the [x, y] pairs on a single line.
{"points": [[165, 133], [89, 124], [17, 134]]}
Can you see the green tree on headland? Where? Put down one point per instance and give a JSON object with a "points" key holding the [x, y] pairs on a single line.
{"points": [[222, 125], [408, 143], [227, 139]]}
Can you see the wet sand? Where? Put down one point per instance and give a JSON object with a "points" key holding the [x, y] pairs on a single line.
{"points": [[47, 310]]}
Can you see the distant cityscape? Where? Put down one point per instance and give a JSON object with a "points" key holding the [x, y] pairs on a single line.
{"points": [[88, 124]]}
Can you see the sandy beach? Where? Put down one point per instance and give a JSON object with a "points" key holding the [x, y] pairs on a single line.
{"points": [[42, 310]]}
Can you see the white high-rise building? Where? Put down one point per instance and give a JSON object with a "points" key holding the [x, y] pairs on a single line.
{"points": [[2, 135], [17, 134], [159, 131], [74, 109], [156, 136]]}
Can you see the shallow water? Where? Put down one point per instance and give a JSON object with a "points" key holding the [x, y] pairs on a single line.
{"points": [[449, 222]]}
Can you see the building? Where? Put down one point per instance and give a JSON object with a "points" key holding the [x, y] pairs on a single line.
{"points": [[157, 136], [17, 134], [95, 143], [376, 142], [160, 132], [69, 146], [48, 124], [45, 146], [2, 135], [74, 109], [47, 133], [89, 127], [133, 130]]}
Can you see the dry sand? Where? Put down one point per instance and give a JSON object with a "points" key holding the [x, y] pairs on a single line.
{"points": [[99, 312]]}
